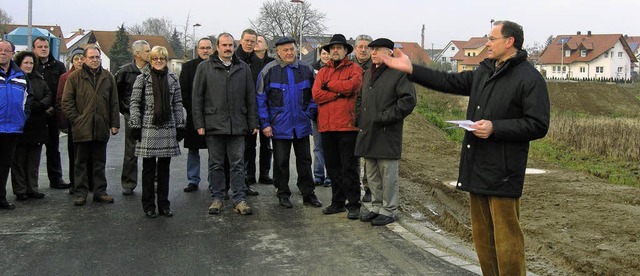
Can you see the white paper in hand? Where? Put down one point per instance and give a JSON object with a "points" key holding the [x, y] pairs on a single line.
{"points": [[466, 124]]}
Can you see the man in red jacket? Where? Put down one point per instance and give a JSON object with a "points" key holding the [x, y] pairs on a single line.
{"points": [[335, 91]]}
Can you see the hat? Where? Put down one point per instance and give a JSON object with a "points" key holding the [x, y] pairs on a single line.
{"points": [[77, 51], [338, 39], [382, 42], [285, 40]]}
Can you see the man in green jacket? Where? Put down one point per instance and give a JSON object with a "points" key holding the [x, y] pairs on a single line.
{"points": [[90, 102]]}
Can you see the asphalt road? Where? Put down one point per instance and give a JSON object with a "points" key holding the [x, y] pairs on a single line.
{"points": [[52, 237]]}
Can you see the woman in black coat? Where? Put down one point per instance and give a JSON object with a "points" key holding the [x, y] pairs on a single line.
{"points": [[26, 162]]}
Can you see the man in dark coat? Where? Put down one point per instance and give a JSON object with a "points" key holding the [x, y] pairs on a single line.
{"points": [[509, 105], [224, 111], [51, 69], [245, 52], [126, 77], [90, 102], [387, 97]]}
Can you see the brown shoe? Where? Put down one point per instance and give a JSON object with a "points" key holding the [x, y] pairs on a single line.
{"points": [[242, 208], [79, 201], [215, 207], [103, 198]]}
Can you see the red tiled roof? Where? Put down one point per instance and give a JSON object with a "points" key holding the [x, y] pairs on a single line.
{"points": [[595, 44], [106, 39], [415, 52]]}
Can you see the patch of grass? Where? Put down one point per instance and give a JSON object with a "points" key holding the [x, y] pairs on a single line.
{"points": [[439, 108]]}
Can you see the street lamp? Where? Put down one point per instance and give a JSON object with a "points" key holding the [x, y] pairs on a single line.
{"points": [[301, 2], [194, 38], [491, 27]]}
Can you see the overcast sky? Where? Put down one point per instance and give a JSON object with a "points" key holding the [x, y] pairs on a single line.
{"points": [[398, 20]]}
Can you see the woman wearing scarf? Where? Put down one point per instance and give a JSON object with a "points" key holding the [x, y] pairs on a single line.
{"points": [[157, 123]]}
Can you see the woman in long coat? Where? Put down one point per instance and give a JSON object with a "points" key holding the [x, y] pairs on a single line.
{"points": [[157, 123], [26, 160]]}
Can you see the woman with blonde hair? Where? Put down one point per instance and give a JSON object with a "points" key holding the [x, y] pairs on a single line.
{"points": [[157, 123]]}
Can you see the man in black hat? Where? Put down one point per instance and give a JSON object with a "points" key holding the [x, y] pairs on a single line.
{"points": [[284, 107], [387, 97], [335, 91]]}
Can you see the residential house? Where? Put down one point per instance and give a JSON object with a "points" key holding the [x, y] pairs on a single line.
{"points": [[590, 56], [471, 53], [634, 43], [51, 30], [446, 55], [415, 52]]}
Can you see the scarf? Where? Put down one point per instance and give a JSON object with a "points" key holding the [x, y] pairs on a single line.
{"points": [[160, 85], [376, 71]]}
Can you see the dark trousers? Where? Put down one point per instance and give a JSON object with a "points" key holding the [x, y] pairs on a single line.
{"points": [[129, 178], [90, 164], [149, 168], [54, 165], [233, 147], [281, 155], [342, 167], [25, 167], [8, 142], [250, 155]]}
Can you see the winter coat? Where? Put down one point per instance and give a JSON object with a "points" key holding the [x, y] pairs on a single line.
{"points": [[365, 65], [63, 122], [380, 111], [516, 101], [35, 129], [255, 63], [157, 140], [335, 91], [51, 71], [125, 77], [191, 139], [224, 101], [284, 99], [15, 99], [90, 102]]}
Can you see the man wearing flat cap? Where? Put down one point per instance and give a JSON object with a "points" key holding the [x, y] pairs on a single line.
{"points": [[387, 97], [335, 91], [285, 107]]}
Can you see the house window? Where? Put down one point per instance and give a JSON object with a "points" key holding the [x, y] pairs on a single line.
{"points": [[567, 53], [606, 54], [444, 59], [611, 54], [619, 54], [564, 69], [619, 69], [583, 53], [468, 54], [582, 69], [474, 54], [599, 69], [464, 67], [453, 48]]}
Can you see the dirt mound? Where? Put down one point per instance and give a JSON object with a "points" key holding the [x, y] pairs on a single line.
{"points": [[593, 98]]}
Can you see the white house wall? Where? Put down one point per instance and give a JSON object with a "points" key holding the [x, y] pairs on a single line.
{"points": [[610, 65]]}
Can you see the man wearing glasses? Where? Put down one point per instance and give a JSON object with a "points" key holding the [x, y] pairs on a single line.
{"points": [[15, 110], [90, 102], [192, 140], [125, 77], [509, 105]]}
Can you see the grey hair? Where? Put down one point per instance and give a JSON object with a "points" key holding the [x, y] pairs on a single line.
{"points": [[138, 45], [364, 37]]}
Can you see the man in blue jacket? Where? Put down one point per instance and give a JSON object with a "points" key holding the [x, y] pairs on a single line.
{"points": [[285, 108], [15, 99], [509, 103]]}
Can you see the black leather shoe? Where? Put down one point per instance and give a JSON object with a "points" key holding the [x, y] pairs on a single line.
{"points": [[22, 197], [367, 196], [7, 206], [166, 213], [332, 209], [36, 195], [251, 192], [285, 202], [381, 220], [151, 214], [250, 181], [354, 213], [312, 200], [190, 188], [60, 185], [368, 217], [265, 180]]}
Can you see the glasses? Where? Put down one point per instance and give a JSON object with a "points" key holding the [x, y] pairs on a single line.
{"points": [[491, 38], [156, 59], [7, 51], [205, 48], [94, 58]]}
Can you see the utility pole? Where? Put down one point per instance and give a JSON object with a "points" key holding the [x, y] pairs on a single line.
{"points": [[422, 44], [29, 25]]}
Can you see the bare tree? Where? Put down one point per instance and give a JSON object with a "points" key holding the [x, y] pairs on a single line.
{"points": [[4, 20], [283, 18], [153, 26]]}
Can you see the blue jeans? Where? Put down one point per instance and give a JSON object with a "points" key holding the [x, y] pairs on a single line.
{"points": [[233, 147], [318, 157], [193, 166]]}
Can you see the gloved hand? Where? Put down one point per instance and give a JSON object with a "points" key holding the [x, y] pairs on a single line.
{"points": [[135, 133], [325, 87], [180, 133]]}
